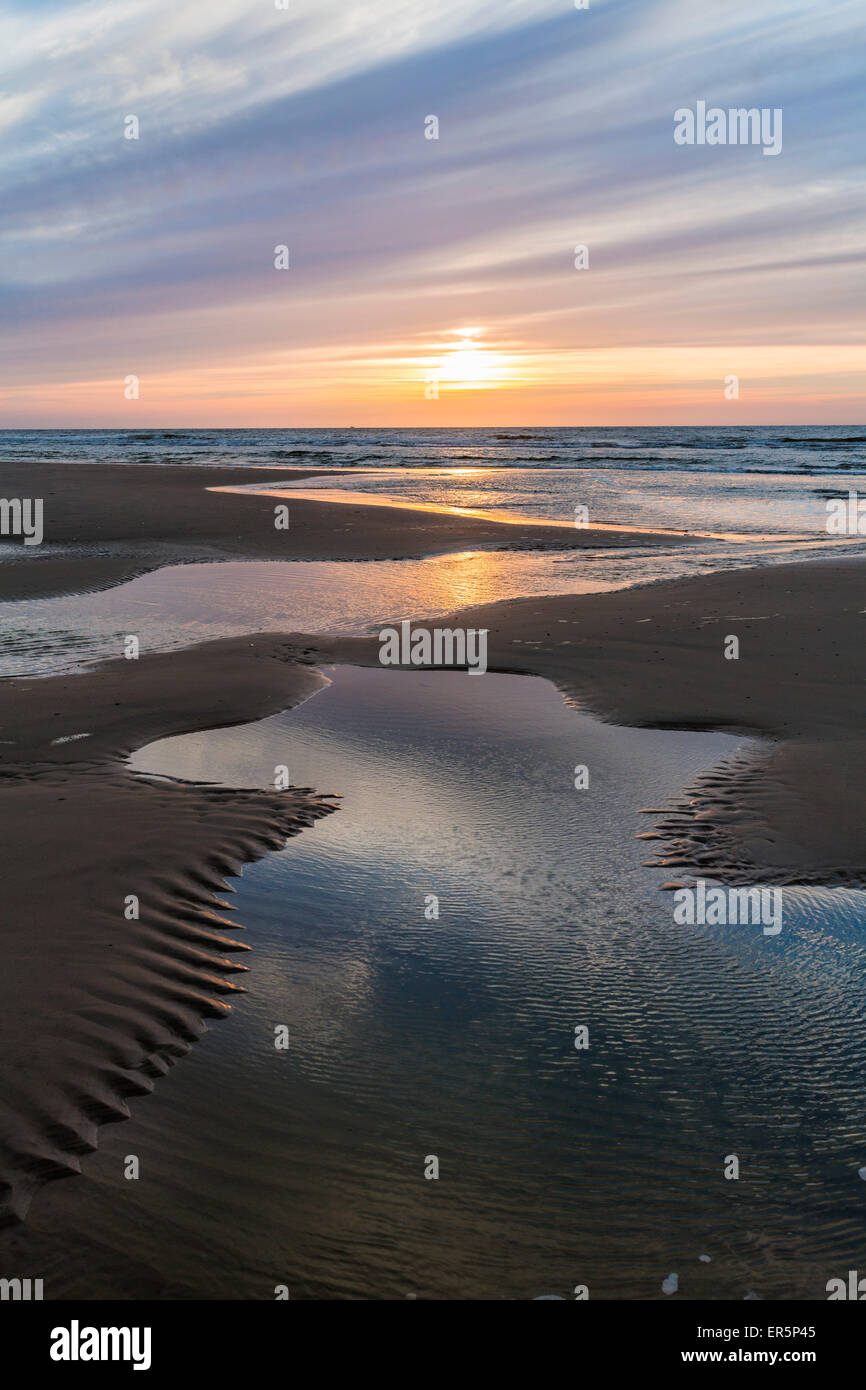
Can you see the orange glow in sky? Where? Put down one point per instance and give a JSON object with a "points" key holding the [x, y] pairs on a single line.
{"points": [[283, 242]]}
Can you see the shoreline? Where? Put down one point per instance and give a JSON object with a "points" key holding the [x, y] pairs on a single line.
{"points": [[113, 522], [372, 499]]}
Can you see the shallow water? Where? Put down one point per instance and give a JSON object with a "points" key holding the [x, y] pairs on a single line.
{"points": [[747, 505], [182, 604], [455, 1037]]}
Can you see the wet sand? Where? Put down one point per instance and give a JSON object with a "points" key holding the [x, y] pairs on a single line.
{"points": [[654, 656], [104, 524], [96, 1005]]}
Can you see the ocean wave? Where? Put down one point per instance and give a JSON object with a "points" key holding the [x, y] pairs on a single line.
{"points": [[824, 440], [299, 453], [157, 434]]}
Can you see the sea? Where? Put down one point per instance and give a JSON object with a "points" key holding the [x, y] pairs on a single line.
{"points": [[805, 449]]}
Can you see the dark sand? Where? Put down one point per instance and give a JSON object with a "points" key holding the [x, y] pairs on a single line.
{"points": [[95, 1006]]}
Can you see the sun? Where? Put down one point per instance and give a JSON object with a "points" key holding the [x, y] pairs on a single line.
{"points": [[468, 365]]}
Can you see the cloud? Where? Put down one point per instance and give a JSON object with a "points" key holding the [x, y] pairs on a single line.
{"points": [[306, 127]]}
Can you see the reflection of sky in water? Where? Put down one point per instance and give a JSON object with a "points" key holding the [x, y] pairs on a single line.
{"points": [[183, 604], [748, 503], [454, 1037]]}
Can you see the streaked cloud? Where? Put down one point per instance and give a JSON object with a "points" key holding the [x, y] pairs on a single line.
{"points": [[305, 127]]}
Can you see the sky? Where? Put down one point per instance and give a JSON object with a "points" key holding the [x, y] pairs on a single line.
{"points": [[430, 281]]}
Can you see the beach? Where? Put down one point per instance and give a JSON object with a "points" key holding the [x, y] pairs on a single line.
{"points": [[133, 520], [121, 874]]}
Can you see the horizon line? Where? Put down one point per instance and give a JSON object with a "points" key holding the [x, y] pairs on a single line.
{"points": [[225, 429]]}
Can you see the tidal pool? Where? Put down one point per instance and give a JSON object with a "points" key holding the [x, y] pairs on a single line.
{"points": [[414, 1035]]}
